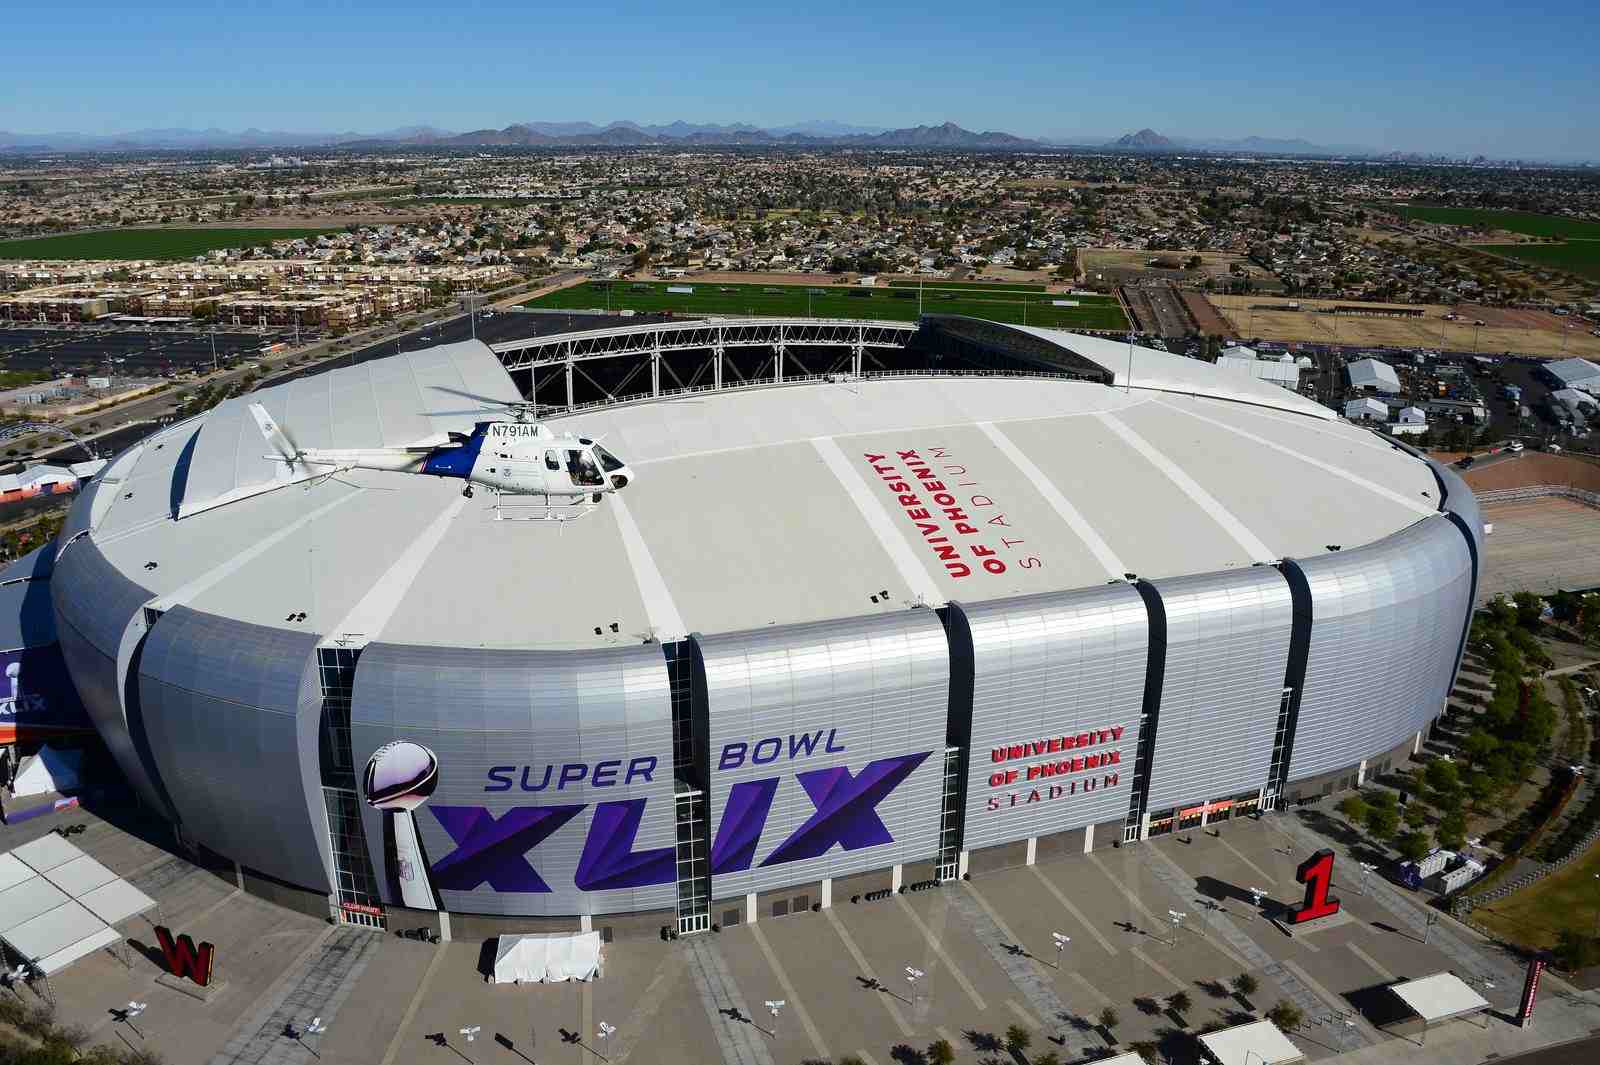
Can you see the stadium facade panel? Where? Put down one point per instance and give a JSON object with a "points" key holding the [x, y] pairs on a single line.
{"points": [[832, 630], [1058, 687], [555, 774], [826, 748]]}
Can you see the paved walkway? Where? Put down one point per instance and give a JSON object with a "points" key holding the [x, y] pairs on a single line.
{"points": [[736, 1032], [316, 987], [1317, 1012], [1019, 966]]}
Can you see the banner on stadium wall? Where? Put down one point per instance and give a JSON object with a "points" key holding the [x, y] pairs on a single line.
{"points": [[37, 698]]}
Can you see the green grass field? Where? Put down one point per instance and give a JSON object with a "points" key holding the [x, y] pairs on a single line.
{"points": [[1534, 225], [145, 243], [1575, 256], [1535, 916], [836, 301], [967, 286]]}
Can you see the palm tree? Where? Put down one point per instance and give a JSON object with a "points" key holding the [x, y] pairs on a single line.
{"points": [[1179, 1002], [1018, 1039], [1245, 985]]}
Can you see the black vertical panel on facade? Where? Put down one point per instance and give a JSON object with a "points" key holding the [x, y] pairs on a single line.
{"points": [[1294, 674], [957, 631], [1154, 674]]}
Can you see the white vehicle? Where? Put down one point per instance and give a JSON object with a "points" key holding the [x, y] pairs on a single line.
{"points": [[514, 458], [1515, 446]]}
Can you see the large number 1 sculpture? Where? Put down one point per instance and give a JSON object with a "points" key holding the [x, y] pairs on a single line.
{"points": [[1316, 873]]}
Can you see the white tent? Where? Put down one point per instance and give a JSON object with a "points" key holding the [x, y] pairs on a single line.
{"points": [[547, 958], [49, 771]]}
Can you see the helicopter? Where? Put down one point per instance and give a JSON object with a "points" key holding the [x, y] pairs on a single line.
{"points": [[518, 457]]}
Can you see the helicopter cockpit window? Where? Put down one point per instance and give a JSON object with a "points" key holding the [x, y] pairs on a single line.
{"points": [[552, 461], [609, 462], [584, 471]]}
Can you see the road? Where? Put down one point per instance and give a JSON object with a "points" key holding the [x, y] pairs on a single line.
{"points": [[1581, 1052]]}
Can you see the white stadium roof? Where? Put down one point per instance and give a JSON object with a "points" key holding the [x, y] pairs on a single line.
{"points": [[751, 507]]}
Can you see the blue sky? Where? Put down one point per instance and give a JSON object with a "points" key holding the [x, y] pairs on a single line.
{"points": [[1466, 76]]}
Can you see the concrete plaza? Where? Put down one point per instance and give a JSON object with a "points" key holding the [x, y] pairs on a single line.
{"points": [[985, 947]]}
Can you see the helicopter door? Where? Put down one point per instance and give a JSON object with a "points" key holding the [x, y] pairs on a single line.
{"points": [[583, 469]]}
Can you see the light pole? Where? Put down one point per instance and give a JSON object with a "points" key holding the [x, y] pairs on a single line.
{"points": [[316, 1027], [471, 1032], [1177, 922], [1061, 942], [914, 974], [606, 1031], [773, 1006], [1255, 897], [1366, 871], [129, 1012]]}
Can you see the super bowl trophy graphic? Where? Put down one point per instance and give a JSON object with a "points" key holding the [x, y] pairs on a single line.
{"points": [[400, 776]]}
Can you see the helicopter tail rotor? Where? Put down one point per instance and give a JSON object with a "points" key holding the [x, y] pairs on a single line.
{"points": [[276, 438]]}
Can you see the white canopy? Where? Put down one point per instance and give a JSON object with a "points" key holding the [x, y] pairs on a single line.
{"points": [[1439, 997], [547, 958], [49, 770], [57, 904], [1256, 1043]]}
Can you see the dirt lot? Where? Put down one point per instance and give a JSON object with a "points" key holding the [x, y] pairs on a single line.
{"points": [[1541, 335], [1534, 467], [1119, 263]]}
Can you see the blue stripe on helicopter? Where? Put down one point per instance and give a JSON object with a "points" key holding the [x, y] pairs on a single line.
{"points": [[457, 461]]}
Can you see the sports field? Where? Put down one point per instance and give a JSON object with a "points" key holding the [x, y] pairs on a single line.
{"points": [[1580, 256], [144, 243], [836, 301], [1534, 225]]}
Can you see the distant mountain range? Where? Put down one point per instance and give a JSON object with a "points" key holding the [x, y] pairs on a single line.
{"points": [[820, 133], [529, 134], [1148, 140]]}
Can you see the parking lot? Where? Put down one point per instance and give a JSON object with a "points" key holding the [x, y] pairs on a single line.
{"points": [[984, 947], [124, 352]]}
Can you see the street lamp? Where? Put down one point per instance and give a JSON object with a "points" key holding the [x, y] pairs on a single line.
{"points": [[316, 1027], [1177, 922], [914, 974], [1367, 869], [1255, 897], [1061, 942], [773, 1006], [129, 1012]]}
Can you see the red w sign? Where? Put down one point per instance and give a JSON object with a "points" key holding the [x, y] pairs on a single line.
{"points": [[182, 957]]}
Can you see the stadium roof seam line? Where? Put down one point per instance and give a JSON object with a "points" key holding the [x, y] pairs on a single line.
{"points": [[1058, 502], [205, 581], [1238, 530], [373, 611], [911, 570], [659, 607], [1326, 467]]}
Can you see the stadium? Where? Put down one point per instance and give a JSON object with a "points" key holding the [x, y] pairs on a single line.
{"points": [[841, 634]]}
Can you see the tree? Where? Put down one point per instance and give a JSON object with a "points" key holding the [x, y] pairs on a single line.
{"points": [[1353, 807], [1382, 822], [1530, 608], [1416, 816], [1574, 950], [1148, 1049], [1179, 1002], [1286, 1015], [1018, 1039], [1108, 1019], [1049, 1057], [1442, 777], [940, 1052], [1245, 985], [1413, 846], [1452, 831]]}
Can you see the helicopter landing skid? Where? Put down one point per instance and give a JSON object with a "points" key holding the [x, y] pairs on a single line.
{"points": [[546, 511]]}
